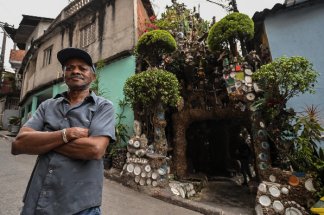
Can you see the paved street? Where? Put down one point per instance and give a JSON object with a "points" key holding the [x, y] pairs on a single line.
{"points": [[117, 199]]}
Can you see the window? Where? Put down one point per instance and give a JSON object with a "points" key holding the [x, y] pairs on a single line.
{"points": [[47, 56], [87, 35]]}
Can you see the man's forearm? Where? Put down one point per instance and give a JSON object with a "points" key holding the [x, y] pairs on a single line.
{"points": [[87, 148], [29, 141]]}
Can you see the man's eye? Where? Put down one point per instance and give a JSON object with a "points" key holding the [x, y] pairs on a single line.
{"points": [[68, 68], [83, 68]]}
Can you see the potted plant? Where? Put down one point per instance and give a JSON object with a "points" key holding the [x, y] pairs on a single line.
{"points": [[14, 123]]}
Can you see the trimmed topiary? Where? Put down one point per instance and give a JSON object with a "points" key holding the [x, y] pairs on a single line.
{"points": [[153, 44], [227, 30], [151, 88]]}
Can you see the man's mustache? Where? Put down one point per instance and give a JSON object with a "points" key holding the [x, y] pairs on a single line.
{"points": [[76, 76]]}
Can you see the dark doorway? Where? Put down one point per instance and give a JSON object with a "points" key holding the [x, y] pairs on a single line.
{"points": [[212, 146]]}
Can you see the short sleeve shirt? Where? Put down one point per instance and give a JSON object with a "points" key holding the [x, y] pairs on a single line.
{"points": [[59, 184]]}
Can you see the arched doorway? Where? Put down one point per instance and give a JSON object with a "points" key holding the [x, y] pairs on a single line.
{"points": [[212, 146]]}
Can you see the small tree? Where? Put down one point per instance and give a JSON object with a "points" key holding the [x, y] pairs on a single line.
{"points": [[233, 27], [281, 80], [152, 91], [285, 78], [152, 45]]}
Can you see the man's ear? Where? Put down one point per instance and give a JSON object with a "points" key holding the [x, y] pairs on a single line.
{"points": [[93, 76]]}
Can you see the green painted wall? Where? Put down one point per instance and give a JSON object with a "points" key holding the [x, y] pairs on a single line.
{"points": [[112, 79]]}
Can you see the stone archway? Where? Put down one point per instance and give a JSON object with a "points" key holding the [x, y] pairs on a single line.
{"points": [[182, 120]]}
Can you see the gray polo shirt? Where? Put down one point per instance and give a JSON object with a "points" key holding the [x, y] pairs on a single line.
{"points": [[58, 184]]}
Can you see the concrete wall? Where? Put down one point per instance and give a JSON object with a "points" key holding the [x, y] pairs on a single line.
{"points": [[300, 32], [38, 32], [118, 35]]}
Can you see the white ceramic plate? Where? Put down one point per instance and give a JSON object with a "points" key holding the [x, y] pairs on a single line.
{"points": [[182, 192], [274, 191], [143, 174], [142, 181], [265, 200], [262, 188], [131, 142], [284, 190], [265, 145], [250, 96], [278, 206], [137, 179], [130, 167], [154, 183], [137, 170], [175, 191], [137, 144], [309, 185], [147, 168], [248, 71], [272, 178], [154, 175], [148, 181], [258, 209], [248, 79], [293, 211]]}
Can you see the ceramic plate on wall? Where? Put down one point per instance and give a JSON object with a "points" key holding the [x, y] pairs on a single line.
{"points": [[284, 190], [293, 180], [265, 200], [262, 188], [272, 178], [274, 191], [309, 185], [147, 168], [130, 167], [265, 145], [258, 209], [137, 170], [137, 144], [263, 156], [278, 206], [293, 211], [250, 96]]}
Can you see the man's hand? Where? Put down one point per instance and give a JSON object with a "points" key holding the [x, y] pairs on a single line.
{"points": [[76, 133]]}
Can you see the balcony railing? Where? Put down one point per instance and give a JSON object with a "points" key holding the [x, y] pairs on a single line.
{"points": [[74, 7]]}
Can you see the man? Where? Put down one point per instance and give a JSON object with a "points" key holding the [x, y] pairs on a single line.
{"points": [[70, 133]]}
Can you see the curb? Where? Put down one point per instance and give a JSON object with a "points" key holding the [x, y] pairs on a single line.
{"points": [[113, 174]]}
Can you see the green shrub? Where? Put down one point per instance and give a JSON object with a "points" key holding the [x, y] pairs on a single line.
{"points": [[150, 88], [152, 45], [227, 30]]}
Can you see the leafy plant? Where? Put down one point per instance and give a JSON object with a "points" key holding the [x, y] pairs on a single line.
{"points": [[306, 156], [150, 88], [285, 78], [95, 84], [153, 44], [235, 26], [121, 132]]}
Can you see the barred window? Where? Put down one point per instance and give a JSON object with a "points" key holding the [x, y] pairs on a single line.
{"points": [[47, 56], [87, 35]]}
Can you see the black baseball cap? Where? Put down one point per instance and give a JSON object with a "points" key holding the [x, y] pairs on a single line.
{"points": [[68, 53]]}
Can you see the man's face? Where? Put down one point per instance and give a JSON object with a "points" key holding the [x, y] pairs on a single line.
{"points": [[77, 74]]}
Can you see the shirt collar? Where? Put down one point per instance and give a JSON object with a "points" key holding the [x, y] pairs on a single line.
{"points": [[92, 96]]}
